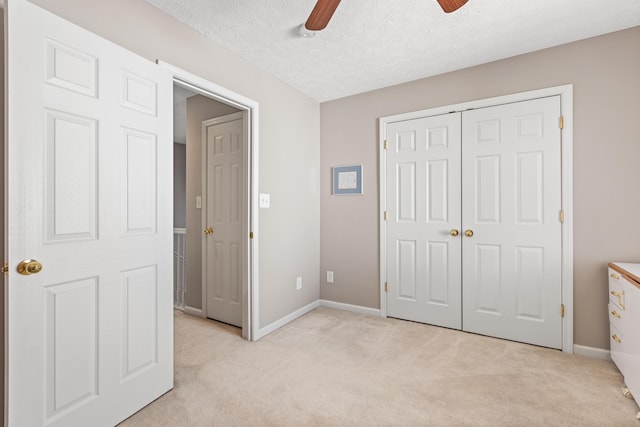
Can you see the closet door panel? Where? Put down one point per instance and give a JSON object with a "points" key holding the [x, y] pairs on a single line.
{"points": [[423, 206], [511, 202]]}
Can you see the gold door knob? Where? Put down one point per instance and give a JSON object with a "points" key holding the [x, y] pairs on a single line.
{"points": [[28, 267], [468, 233], [208, 230], [454, 232]]}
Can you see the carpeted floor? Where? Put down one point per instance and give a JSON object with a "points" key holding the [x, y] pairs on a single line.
{"points": [[334, 368]]}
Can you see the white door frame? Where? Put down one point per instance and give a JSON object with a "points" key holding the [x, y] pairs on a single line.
{"points": [[250, 109], [566, 107]]}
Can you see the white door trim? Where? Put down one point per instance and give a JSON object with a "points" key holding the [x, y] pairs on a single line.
{"points": [[566, 106], [250, 108]]}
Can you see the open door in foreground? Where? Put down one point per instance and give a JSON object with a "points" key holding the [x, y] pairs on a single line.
{"points": [[88, 217]]}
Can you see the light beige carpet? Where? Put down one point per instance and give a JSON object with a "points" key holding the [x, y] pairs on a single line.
{"points": [[333, 368]]}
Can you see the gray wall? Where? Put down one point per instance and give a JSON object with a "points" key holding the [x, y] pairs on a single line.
{"points": [[179, 185], [199, 109], [605, 74], [289, 129]]}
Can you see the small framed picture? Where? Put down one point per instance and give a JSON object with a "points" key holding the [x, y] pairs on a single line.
{"points": [[347, 180]]}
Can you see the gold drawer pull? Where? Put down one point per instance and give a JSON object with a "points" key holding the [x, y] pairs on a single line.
{"points": [[619, 295], [615, 276], [616, 338], [616, 314]]}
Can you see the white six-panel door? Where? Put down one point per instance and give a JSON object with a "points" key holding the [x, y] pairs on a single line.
{"points": [[423, 207], [511, 186], [494, 176], [223, 254], [90, 337]]}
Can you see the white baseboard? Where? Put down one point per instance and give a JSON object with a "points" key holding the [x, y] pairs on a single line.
{"points": [[193, 311], [349, 307], [592, 352], [286, 319]]}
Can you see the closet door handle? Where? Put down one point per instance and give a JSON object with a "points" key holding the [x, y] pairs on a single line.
{"points": [[468, 233], [454, 232]]}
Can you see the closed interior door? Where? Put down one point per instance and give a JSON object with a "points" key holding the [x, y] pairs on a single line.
{"points": [[223, 255], [90, 336], [473, 231], [511, 175], [423, 194]]}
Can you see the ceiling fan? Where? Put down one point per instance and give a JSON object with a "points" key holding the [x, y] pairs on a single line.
{"points": [[323, 11]]}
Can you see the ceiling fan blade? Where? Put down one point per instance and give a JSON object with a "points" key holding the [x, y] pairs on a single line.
{"points": [[451, 5], [321, 14]]}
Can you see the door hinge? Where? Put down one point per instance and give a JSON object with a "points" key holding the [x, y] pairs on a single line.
{"points": [[386, 144], [251, 234], [561, 122], [386, 215], [386, 286], [5, 269], [562, 216], [562, 310]]}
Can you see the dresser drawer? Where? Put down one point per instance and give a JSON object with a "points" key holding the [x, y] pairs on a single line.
{"points": [[619, 349], [617, 289], [617, 317]]}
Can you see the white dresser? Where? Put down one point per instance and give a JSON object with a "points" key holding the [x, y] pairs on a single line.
{"points": [[624, 322]]}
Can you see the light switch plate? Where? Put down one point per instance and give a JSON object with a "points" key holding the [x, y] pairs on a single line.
{"points": [[198, 202], [265, 200]]}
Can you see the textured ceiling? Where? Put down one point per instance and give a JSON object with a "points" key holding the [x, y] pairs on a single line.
{"points": [[371, 44]]}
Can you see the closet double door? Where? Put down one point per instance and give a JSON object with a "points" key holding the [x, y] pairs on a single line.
{"points": [[473, 228]]}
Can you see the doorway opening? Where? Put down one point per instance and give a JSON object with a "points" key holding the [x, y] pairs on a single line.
{"points": [[199, 236]]}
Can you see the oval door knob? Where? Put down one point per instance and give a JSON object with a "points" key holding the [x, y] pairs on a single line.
{"points": [[28, 267], [454, 232], [468, 233], [208, 230]]}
